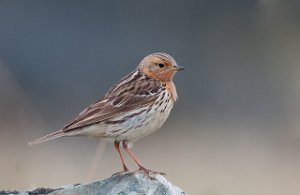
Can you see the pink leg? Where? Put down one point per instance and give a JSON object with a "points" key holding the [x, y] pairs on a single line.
{"points": [[117, 146], [138, 162]]}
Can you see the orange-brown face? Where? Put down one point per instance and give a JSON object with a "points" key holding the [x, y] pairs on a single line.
{"points": [[159, 66]]}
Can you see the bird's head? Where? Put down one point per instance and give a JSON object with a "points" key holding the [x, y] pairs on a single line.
{"points": [[160, 66]]}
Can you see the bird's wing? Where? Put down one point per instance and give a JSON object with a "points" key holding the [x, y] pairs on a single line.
{"points": [[106, 109], [120, 98]]}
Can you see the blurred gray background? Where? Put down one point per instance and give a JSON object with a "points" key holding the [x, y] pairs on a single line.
{"points": [[235, 129]]}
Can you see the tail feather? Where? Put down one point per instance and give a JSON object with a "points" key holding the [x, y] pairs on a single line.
{"points": [[54, 135]]}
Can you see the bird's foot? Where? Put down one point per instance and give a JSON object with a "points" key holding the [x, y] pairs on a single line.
{"points": [[126, 170], [150, 172]]}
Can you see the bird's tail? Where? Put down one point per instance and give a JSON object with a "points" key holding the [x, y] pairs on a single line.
{"points": [[54, 135]]}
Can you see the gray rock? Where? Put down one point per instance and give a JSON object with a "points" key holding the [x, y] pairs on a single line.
{"points": [[137, 183]]}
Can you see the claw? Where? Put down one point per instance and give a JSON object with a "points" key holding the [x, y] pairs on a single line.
{"points": [[148, 171]]}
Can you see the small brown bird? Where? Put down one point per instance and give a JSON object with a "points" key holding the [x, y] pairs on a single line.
{"points": [[133, 108]]}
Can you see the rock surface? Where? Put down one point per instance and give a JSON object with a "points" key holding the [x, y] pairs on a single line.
{"points": [[137, 183]]}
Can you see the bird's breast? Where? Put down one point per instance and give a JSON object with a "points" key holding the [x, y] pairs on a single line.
{"points": [[142, 121], [172, 90]]}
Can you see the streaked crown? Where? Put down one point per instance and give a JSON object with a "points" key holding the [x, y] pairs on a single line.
{"points": [[160, 66]]}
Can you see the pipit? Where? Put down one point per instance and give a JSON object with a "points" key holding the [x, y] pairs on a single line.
{"points": [[133, 108]]}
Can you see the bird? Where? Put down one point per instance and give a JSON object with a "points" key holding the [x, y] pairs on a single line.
{"points": [[136, 106]]}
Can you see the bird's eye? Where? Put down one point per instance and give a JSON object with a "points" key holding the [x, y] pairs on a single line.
{"points": [[161, 65]]}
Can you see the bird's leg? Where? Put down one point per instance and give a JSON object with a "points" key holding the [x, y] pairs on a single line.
{"points": [[138, 162], [117, 146]]}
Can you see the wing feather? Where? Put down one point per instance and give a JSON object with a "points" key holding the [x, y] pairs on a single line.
{"points": [[137, 91]]}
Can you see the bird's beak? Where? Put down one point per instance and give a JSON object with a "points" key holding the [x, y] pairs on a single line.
{"points": [[176, 67]]}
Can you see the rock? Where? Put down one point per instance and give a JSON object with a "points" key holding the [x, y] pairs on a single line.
{"points": [[137, 183]]}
